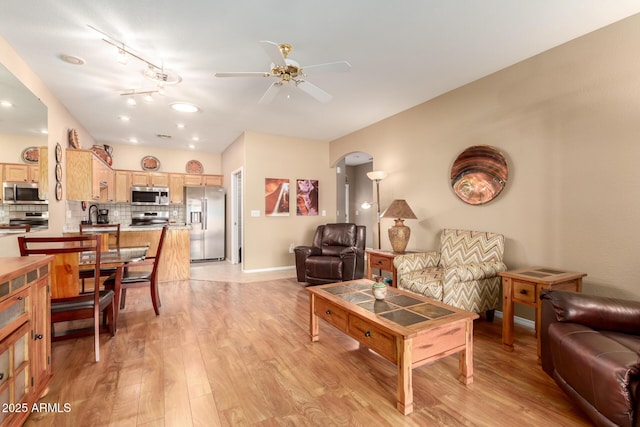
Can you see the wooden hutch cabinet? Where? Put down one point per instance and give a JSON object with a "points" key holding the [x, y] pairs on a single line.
{"points": [[25, 338]]}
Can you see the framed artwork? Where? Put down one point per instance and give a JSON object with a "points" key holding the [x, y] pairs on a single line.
{"points": [[276, 197], [307, 197]]}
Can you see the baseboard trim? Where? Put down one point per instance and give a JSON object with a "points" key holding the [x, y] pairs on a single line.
{"points": [[263, 270], [519, 320]]}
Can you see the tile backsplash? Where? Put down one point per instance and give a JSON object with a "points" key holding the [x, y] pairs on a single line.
{"points": [[119, 213]]}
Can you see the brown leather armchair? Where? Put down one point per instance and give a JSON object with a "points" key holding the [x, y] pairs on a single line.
{"points": [[590, 346], [336, 255]]}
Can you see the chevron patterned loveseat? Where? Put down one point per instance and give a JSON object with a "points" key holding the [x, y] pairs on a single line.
{"points": [[464, 273]]}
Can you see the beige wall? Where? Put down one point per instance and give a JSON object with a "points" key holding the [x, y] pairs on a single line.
{"points": [[129, 157], [267, 239], [233, 161], [12, 146], [567, 122], [59, 121]]}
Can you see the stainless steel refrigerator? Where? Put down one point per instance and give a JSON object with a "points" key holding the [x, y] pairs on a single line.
{"points": [[205, 214]]}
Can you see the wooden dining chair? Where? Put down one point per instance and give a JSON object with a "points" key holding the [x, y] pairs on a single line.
{"points": [[111, 233], [134, 278], [67, 302], [26, 227]]}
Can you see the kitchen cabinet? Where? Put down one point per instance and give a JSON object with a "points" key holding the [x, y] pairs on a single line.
{"points": [[175, 259], [42, 172], [158, 179], [193, 180], [25, 338], [176, 188], [89, 177], [139, 179], [149, 179], [123, 186], [15, 172]]}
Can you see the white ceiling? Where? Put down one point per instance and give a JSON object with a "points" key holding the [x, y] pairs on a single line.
{"points": [[401, 53]]}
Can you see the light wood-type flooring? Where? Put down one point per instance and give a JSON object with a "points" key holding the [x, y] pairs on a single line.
{"points": [[230, 349]]}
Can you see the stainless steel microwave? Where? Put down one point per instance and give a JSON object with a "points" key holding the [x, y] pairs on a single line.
{"points": [[150, 196], [21, 193]]}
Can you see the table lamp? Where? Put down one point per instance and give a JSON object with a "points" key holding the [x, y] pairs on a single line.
{"points": [[399, 233]]}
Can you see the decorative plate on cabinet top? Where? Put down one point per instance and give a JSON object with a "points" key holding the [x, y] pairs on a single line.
{"points": [[150, 163], [30, 155], [194, 166], [74, 142]]}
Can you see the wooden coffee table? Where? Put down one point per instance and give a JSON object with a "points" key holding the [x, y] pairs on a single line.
{"points": [[406, 329]]}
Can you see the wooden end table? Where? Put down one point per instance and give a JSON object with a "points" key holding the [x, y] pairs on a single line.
{"points": [[523, 286], [406, 329], [383, 260]]}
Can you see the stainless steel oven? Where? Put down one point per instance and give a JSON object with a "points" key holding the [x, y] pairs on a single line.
{"points": [[37, 220], [21, 193]]}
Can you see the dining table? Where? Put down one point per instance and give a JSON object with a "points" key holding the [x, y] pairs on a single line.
{"points": [[118, 258]]}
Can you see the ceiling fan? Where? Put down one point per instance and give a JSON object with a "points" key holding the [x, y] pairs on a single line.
{"points": [[289, 71]]}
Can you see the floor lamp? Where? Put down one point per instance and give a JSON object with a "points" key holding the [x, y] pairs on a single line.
{"points": [[377, 176]]}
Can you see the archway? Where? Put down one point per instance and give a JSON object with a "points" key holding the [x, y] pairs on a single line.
{"points": [[355, 199]]}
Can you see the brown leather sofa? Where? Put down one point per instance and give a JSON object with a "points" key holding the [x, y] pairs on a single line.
{"points": [[336, 255], [591, 347]]}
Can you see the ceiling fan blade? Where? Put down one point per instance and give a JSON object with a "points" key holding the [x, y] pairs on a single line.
{"points": [[313, 90], [331, 67], [274, 52], [270, 93], [244, 74]]}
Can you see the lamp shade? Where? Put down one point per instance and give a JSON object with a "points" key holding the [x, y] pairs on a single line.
{"points": [[399, 209], [376, 175]]}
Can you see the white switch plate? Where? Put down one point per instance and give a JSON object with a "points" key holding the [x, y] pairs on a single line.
{"points": [[255, 213], [324, 212]]}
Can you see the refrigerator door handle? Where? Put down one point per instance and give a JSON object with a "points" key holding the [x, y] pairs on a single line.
{"points": [[205, 209]]}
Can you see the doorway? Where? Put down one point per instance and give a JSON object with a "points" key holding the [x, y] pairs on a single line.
{"points": [[354, 193], [236, 217]]}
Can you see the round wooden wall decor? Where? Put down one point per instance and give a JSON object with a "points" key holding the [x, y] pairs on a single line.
{"points": [[479, 174]]}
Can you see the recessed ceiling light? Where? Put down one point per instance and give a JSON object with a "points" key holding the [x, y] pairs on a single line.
{"points": [[124, 118], [133, 140], [74, 60], [6, 104], [44, 131], [184, 107], [180, 125], [195, 138], [192, 146]]}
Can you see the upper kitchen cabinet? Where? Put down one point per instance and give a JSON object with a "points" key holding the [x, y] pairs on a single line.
{"points": [[149, 179], [123, 186], [20, 173], [194, 180], [89, 177], [176, 187]]}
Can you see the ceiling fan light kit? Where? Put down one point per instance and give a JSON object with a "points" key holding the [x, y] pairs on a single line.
{"points": [[287, 70]]}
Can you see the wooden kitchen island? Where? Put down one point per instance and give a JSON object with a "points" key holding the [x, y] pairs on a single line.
{"points": [[175, 260]]}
